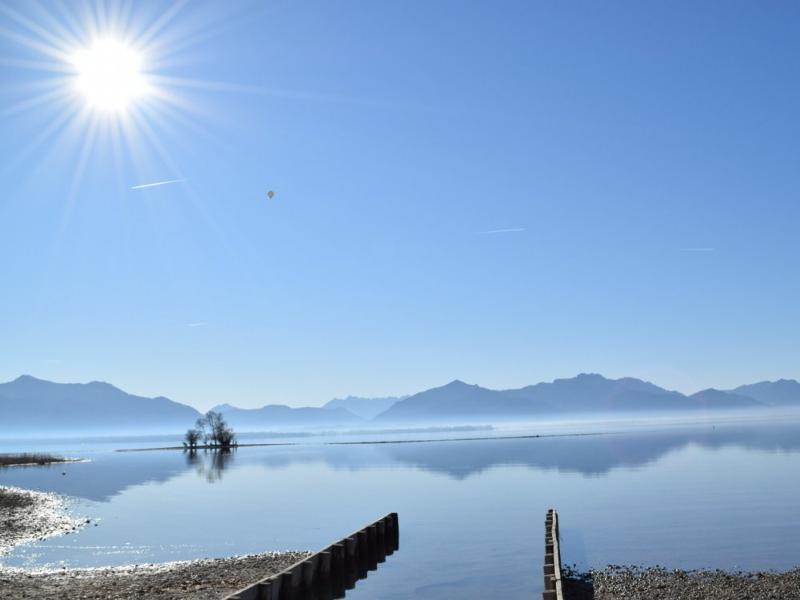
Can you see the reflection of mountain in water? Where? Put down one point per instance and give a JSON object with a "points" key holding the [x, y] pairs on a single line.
{"points": [[109, 474], [105, 476], [586, 454]]}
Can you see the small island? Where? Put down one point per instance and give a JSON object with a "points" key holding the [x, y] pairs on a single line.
{"points": [[28, 458], [214, 432]]}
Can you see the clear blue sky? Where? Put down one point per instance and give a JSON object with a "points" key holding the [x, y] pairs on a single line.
{"points": [[645, 156]]}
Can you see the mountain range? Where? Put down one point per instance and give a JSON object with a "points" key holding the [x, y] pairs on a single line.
{"points": [[366, 408], [31, 406], [585, 394], [280, 416]]}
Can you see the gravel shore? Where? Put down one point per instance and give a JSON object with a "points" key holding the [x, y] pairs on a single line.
{"points": [[639, 583], [198, 579], [26, 515]]}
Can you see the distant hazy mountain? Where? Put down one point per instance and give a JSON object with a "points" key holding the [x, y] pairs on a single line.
{"points": [[30, 406], [712, 398], [592, 392], [366, 408], [784, 392], [34, 406], [277, 416], [459, 399], [586, 393]]}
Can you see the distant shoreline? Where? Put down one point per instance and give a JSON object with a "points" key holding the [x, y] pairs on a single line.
{"points": [[474, 439], [378, 442], [205, 447]]}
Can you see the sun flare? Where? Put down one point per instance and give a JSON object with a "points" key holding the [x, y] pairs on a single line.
{"points": [[109, 75]]}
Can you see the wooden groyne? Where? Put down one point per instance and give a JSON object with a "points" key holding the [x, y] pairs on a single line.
{"points": [[327, 574], [553, 589]]}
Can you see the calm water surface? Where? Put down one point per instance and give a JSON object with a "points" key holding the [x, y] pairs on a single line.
{"points": [[471, 512]]}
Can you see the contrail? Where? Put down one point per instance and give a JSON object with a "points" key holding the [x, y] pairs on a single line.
{"points": [[156, 183], [509, 230]]}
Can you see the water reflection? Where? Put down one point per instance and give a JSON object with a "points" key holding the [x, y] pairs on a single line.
{"points": [[590, 455], [102, 477], [209, 463], [108, 474]]}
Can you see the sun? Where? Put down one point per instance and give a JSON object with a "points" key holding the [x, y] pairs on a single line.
{"points": [[109, 75]]}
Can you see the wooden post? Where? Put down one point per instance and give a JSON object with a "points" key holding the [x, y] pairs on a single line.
{"points": [[380, 531], [351, 561], [395, 530], [552, 559], [264, 590], [388, 523], [275, 588], [309, 572], [338, 569], [287, 593], [363, 554], [372, 540], [325, 562]]}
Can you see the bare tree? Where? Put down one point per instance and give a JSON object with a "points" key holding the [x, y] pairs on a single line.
{"points": [[192, 437], [226, 437], [215, 430]]}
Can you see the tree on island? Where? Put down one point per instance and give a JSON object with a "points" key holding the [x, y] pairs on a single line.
{"points": [[214, 431], [192, 438]]}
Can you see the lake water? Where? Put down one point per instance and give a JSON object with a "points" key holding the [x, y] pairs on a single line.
{"points": [[722, 495]]}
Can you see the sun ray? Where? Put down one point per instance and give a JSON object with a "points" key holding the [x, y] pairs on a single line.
{"points": [[80, 167], [34, 65], [35, 87], [32, 44], [35, 101], [160, 23], [174, 125], [83, 157], [34, 28], [101, 16], [166, 49], [278, 93], [144, 126], [124, 13], [71, 24], [52, 132], [62, 31]]}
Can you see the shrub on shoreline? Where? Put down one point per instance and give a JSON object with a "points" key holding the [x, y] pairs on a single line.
{"points": [[27, 458]]}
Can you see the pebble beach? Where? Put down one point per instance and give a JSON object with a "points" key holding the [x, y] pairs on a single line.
{"points": [[27, 516], [649, 583], [210, 579]]}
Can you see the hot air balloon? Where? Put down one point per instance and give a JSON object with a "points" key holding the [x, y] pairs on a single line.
{"points": [[270, 194]]}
